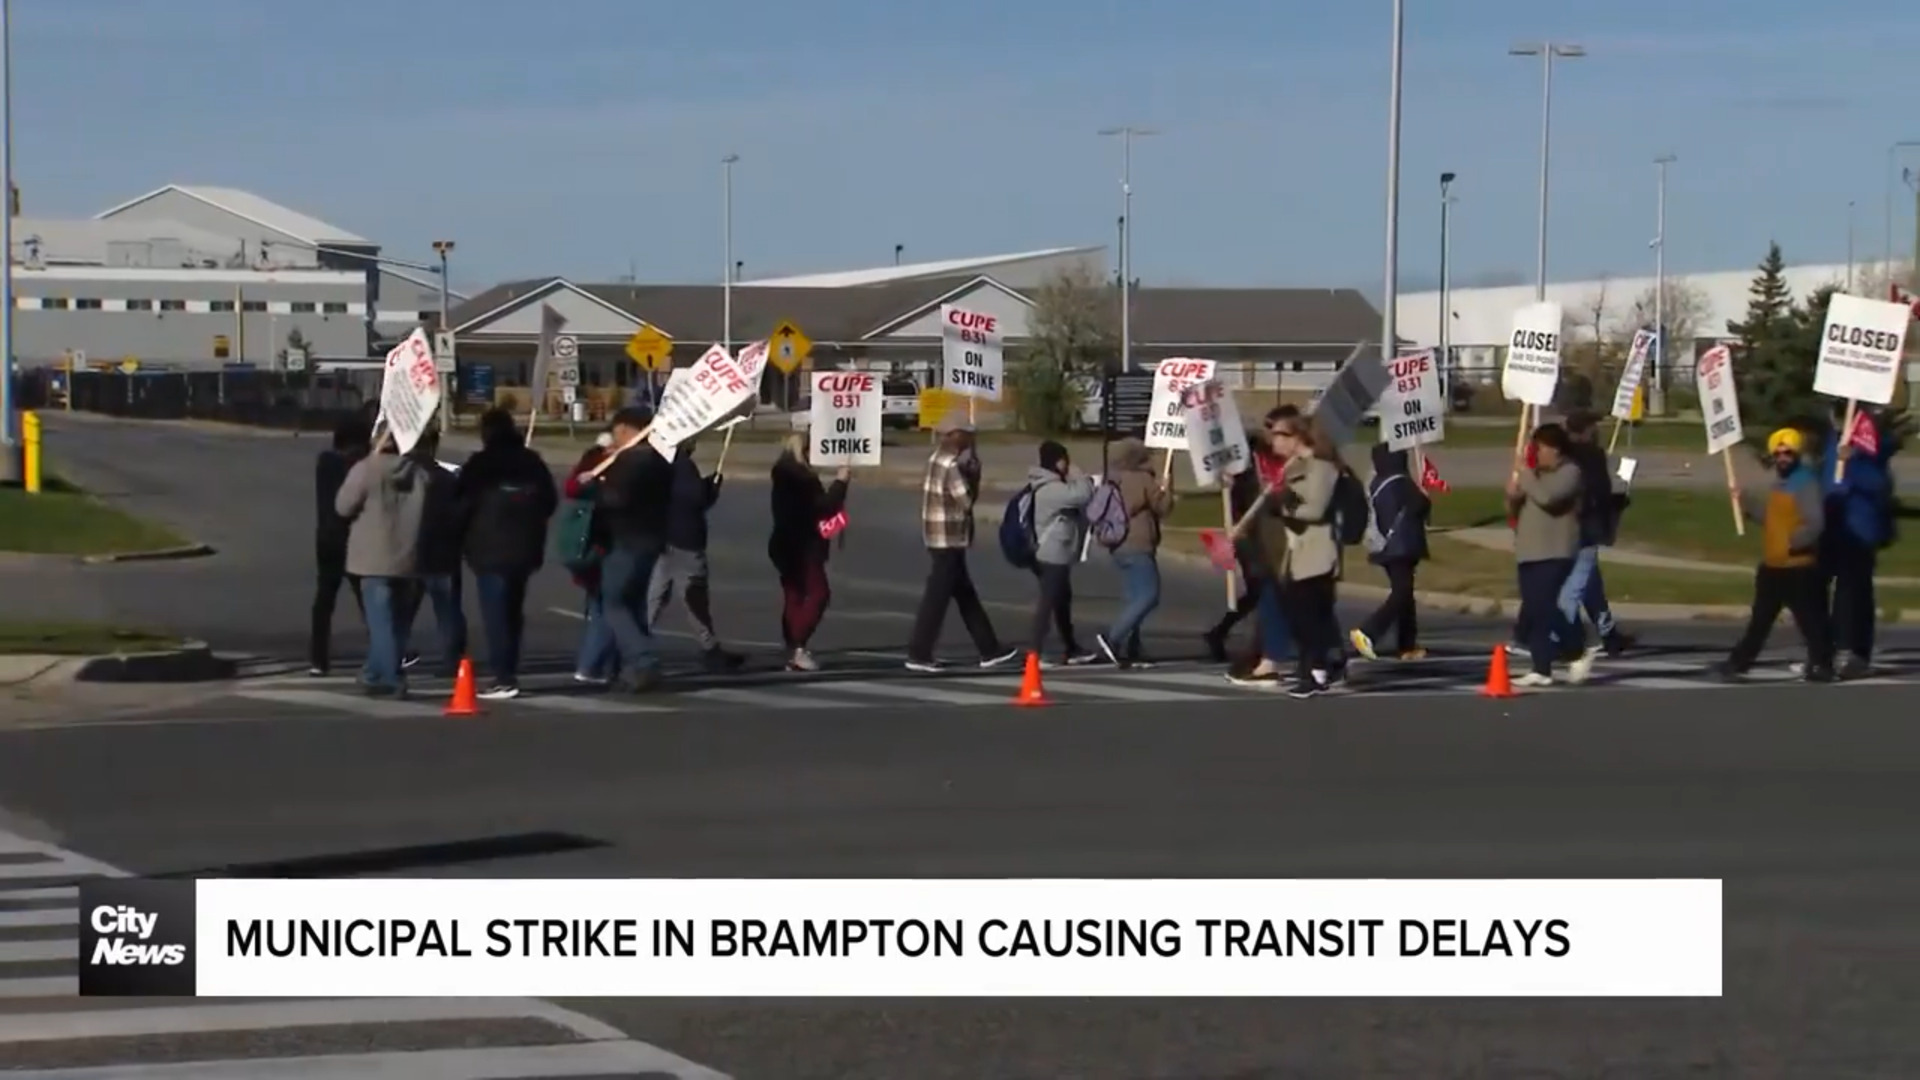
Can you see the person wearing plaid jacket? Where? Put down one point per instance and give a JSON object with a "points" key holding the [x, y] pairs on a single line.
{"points": [[947, 495]]}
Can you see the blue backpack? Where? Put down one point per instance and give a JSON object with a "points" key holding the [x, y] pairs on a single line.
{"points": [[1018, 541]]}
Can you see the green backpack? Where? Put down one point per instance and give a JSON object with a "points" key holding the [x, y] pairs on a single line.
{"points": [[573, 538]]}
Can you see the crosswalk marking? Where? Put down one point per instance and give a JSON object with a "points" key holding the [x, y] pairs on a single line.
{"points": [[585, 703], [41, 917], [924, 692], [29, 896], [761, 699], [46, 986], [587, 1060], [381, 708], [28, 952], [1093, 689]]}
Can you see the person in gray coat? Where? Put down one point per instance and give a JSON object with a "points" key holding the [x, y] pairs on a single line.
{"points": [[1060, 496], [385, 501], [1545, 501]]}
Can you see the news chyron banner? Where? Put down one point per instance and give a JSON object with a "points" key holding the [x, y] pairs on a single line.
{"points": [[901, 938]]}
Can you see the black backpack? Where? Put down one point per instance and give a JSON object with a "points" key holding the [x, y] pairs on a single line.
{"points": [[1349, 509]]}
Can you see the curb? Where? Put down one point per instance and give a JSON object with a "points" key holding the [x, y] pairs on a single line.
{"points": [[192, 662], [185, 551]]}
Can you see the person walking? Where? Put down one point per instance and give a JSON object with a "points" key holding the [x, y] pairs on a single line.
{"points": [[1272, 647], [1792, 519], [438, 582], [1303, 550], [507, 496], [806, 515], [1147, 503], [1397, 544], [948, 491], [1546, 502], [350, 444], [384, 498], [1602, 498], [597, 661], [634, 489], [683, 566], [1059, 494], [1859, 516]]}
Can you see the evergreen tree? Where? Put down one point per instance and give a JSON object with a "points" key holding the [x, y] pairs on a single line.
{"points": [[1771, 364]]}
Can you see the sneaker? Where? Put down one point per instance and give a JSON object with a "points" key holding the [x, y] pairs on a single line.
{"points": [[1308, 688], [1854, 667], [1083, 657], [500, 692], [1515, 648], [1618, 643], [1216, 643], [1106, 649], [925, 667], [1254, 678], [317, 671], [407, 661], [1799, 668], [719, 659], [1728, 671], [585, 679], [1413, 654], [1534, 679], [1817, 674], [1002, 659], [1581, 669], [1363, 644], [639, 682], [802, 660]]}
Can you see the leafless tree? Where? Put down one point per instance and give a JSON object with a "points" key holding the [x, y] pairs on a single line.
{"points": [[1685, 311], [1872, 279]]}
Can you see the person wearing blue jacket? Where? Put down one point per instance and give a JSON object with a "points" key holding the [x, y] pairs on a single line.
{"points": [[1397, 544], [1859, 515]]}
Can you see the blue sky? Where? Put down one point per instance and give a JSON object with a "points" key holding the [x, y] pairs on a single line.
{"points": [[583, 136]]}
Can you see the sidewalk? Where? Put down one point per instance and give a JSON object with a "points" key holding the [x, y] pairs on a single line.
{"points": [[1495, 538]]}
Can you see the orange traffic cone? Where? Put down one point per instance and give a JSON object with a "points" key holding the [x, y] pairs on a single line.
{"points": [[464, 701], [1499, 684], [1031, 692]]}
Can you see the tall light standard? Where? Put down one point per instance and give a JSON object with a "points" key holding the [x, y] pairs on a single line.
{"points": [[726, 184], [1849, 245], [443, 248], [1656, 392], [1389, 314], [1126, 133], [1548, 52], [1893, 151], [9, 425], [1446, 271]]}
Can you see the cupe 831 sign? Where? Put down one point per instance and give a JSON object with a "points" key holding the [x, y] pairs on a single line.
{"points": [[970, 352], [1412, 410], [1166, 416], [844, 421]]}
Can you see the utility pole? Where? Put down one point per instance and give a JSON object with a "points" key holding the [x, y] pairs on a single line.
{"points": [[1657, 386], [726, 184], [1446, 274], [10, 463], [1849, 245], [1126, 133], [1548, 52], [444, 248], [1389, 308], [1887, 251]]}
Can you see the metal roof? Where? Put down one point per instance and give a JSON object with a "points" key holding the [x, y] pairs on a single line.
{"points": [[250, 207], [84, 240], [887, 275]]}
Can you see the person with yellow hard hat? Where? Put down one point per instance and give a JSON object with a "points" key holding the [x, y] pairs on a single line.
{"points": [[1792, 519]]}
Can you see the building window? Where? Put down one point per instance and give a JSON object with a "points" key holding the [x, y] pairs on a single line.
{"points": [[253, 305], [139, 305], [303, 307], [173, 305], [53, 303], [334, 307], [220, 305], [86, 303]]}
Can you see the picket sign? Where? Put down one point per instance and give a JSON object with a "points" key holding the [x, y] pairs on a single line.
{"points": [[409, 391], [971, 358], [1216, 445], [845, 418], [716, 385], [1860, 352], [1631, 376], [1166, 416], [1532, 371], [1720, 409]]}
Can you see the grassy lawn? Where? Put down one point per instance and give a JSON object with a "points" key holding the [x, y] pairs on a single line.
{"points": [[77, 639], [63, 520]]}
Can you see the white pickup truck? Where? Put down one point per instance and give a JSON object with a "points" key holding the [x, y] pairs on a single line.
{"points": [[899, 403]]}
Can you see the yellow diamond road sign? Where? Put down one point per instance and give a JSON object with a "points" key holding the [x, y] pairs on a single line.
{"points": [[650, 348], [788, 347]]}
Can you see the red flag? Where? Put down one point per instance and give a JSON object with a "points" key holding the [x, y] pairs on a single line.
{"points": [[830, 527], [1218, 549], [1864, 436], [1273, 471], [1430, 479]]}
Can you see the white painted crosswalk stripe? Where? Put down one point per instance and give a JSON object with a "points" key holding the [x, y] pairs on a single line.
{"points": [[348, 701], [59, 916], [585, 703], [31, 896], [1137, 692], [927, 692], [761, 699], [33, 952]]}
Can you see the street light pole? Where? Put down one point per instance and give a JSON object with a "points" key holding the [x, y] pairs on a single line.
{"points": [[1849, 245], [10, 464], [1127, 133], [1656, 391], [1446, 272], [1892, 152], [1389, 313], [1548, 52], [443, 248], [726, 165]]}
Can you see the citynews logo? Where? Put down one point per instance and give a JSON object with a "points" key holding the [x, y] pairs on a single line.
{"points": [[136, 938], [131, 928]]}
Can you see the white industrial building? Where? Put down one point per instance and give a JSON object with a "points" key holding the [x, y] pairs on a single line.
{"points": [[1482, 319]]}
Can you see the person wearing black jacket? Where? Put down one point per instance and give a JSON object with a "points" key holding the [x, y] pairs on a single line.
{"points": [[798, 548], [1602, 500], [633, 487], [439, 582], [506, 496], [1398, 512], [683, 565], [352, 439]]}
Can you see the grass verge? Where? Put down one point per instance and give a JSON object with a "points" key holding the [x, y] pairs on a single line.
{"points": [[63, 520], [78, 639]]}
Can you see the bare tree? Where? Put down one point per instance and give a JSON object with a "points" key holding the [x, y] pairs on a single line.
{"points": [[1589, 320], [1071, 335], [1872, 279], [1685, 311]]}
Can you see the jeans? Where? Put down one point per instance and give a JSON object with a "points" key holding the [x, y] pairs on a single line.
{"points": [[1309, 606], [1846, 567], [1053, 606], [625, 575], [1276, 637], [1796, 588], [442, 591], [1540, 584], [503, 612], [598, 658], [1399, 611], [1584, 588], [386, 634], [686, 571], [949, 583], [331, 573], [1139, 595]]}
